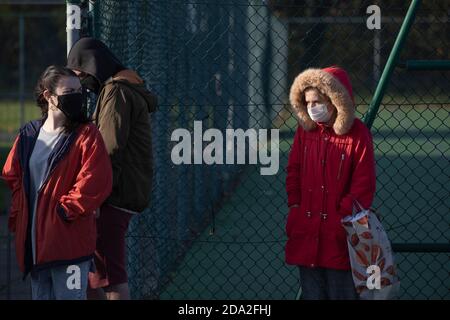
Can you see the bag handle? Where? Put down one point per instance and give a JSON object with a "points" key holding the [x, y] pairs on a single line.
{"points": [[360, 207]]}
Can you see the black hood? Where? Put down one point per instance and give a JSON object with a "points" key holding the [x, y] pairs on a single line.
{"points": [[93, 57]]}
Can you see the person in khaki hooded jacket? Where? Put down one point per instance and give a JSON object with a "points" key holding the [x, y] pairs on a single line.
{"points": [[122, 116]]}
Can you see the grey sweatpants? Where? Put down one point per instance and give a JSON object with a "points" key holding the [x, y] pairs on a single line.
{"points": [[326, 284]]}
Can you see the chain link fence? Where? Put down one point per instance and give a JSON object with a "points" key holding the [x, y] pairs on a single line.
{"points": [[217, 231]]}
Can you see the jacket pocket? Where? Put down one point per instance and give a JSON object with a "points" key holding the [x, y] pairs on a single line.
{"points": [[304, 160], [333, 227], [299, 216], [292, 216], [341, 164], [292, 220]]}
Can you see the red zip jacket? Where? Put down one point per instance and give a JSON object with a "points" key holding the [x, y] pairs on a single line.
{"points": [[325, 173], [328, 168], [79, 180]]}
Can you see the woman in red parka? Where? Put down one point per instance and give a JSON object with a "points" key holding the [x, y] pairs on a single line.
{"points": [[331, 164], [59, 173]]}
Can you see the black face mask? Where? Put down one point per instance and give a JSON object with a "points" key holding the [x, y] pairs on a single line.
{"points": [[73, 107]]}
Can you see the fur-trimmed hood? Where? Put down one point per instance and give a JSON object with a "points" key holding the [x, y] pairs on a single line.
{"points": [[335, 84]]}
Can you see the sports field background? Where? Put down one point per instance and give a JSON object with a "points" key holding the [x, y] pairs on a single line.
{"points": [[245, 254], [244, 259], [230, 64]]}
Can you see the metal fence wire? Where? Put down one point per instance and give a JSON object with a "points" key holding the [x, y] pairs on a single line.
{"points": [[217, 231]]}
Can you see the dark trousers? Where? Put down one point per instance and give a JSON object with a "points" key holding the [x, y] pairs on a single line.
{"points": [[326, 284]]}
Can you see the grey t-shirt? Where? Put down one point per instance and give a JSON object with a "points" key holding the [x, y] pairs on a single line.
{"points": [[38, 165]]}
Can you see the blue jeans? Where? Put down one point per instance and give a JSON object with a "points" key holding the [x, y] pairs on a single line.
{"points": [[67, 282], [327, 284]]}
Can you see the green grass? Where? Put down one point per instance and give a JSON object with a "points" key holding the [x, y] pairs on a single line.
{"points": [[9, 125], [10, 115]]}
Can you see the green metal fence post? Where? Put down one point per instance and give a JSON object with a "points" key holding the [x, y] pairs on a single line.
{"points": [[391, 63]]}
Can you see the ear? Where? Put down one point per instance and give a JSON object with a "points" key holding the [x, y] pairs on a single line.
{"points": [[51, 99], [47, 95]]}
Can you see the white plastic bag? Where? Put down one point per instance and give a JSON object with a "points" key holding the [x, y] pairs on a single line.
{"points": [[371, 257]]}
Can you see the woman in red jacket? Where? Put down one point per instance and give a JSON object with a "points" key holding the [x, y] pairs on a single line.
{"points": [[331, 164], [59, 173]]}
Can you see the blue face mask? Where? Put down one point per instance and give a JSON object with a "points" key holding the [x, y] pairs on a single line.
{"points": [[319, 113]]}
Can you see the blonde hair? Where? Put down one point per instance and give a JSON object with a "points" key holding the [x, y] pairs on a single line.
{"points": [[321, 95]]}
